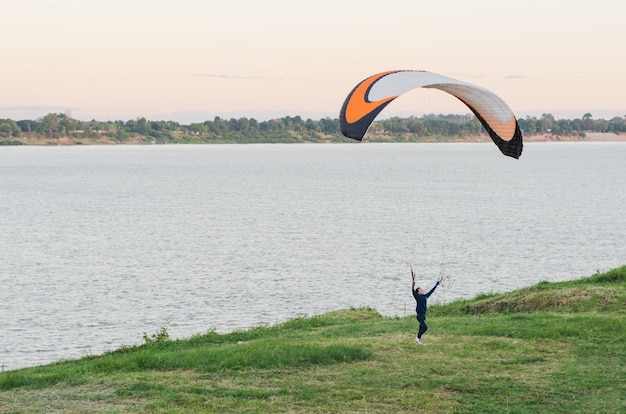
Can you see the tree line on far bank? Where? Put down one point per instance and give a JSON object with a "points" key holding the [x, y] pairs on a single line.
{"points": [[55, 126]]}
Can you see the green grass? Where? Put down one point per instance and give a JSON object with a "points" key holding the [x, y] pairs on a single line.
{"points": [[552, 347]]}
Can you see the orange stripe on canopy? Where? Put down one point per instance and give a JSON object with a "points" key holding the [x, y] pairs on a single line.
{"points": [[358, 106]]}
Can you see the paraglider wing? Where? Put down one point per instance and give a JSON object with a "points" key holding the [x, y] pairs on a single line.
{"points": [[373, 94]]}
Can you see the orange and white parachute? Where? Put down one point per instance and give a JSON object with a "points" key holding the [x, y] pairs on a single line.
{"points": [[373, 94]]}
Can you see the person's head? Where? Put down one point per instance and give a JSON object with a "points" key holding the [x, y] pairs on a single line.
{"points": [[419, 291]]}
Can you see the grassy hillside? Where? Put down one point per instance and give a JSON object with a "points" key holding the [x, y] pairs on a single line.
{"points": [[553, 347]]}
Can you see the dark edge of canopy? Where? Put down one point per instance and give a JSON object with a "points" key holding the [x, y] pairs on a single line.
{"points": [[512, 148], [358, 129]]}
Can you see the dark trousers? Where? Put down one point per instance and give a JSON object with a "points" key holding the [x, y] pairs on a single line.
{"points": [[421, 318]]}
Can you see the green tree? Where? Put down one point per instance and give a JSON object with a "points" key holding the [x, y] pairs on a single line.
{"points": [[50, 126], [587, 122], [9, 128]]}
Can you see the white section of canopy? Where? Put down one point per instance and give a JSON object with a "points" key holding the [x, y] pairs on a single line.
{"points": [[487, 104]]}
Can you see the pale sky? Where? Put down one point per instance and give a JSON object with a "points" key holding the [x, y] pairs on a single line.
{"points": [[192, 60]]}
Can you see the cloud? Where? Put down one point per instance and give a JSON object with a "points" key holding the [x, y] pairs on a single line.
{"points": [[248, 77], [32, 108], [32, 111]]}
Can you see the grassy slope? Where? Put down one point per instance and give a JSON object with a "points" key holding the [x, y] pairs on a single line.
{"points": [[553, 347]]}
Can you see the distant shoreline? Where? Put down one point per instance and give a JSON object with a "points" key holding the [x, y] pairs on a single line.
{"points": [[590, 136], [374, 138]]}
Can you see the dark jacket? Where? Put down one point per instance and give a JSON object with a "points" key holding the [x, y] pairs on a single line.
{"points": [[421, 299]]}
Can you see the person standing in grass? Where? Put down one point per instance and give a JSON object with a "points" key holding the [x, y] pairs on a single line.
{"points": [[421, 298]]}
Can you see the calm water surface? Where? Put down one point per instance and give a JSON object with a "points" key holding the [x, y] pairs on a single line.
{"points": [[100, 244]]}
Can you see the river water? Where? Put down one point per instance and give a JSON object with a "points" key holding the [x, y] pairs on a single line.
{"points": [[101, 244]]}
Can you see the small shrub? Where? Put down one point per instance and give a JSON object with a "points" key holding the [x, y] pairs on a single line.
{"points": [[160, 336], [612, 276]]}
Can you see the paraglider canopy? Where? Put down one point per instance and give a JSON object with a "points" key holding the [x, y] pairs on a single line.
{"points": [[373, 94]]}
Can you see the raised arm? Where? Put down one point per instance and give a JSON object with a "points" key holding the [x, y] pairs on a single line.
{"points": [[432, 290]]}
